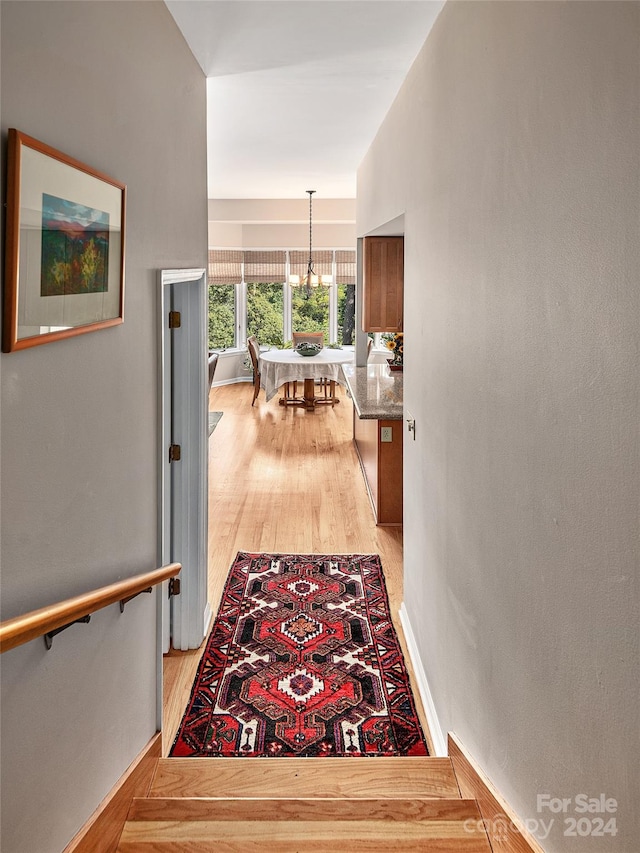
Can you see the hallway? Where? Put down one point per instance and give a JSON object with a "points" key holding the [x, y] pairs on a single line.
{"points": [[283, 480]]}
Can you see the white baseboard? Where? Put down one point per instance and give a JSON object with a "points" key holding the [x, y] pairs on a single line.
{"points": [[437, 736], [207, 620], [232, 381]]}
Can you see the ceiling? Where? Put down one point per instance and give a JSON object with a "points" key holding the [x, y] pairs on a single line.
{"points": [[297, 89]]}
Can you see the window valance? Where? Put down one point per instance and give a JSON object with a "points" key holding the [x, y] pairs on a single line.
{"points": [[345, 266], [264, 266], [231, 266], [225, 266], [322, 262]]}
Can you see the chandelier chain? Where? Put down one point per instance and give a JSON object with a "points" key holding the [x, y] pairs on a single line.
{"points": [[310, 280], [311, 192]]}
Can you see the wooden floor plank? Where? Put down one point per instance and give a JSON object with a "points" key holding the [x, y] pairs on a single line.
{"points": [[310, 835], [311, 830], [394, 778], [194, 809], [466, 844]]}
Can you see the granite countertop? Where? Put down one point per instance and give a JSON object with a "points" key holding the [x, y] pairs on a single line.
{"points": [[375, 390]]}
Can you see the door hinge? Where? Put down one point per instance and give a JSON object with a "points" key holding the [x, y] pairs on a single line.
{"points": [[174, 586], [174, 452], [175, 320]]}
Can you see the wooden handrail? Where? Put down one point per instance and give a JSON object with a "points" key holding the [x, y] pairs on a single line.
{"points": [[21, 629]]}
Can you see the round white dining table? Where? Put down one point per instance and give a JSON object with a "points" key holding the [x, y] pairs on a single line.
{"points": [[285, 366]]}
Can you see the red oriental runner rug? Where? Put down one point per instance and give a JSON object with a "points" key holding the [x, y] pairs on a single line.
{"points": [[302, 661]]}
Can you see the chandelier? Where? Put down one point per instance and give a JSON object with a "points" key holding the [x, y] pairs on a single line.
{"points": [[311, 279]]}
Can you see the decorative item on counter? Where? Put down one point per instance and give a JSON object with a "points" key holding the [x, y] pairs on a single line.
{"points": [[395, 343], [308, 349]]}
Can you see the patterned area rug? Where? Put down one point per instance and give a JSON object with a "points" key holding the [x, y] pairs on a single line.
{"points": [[302, 660]]}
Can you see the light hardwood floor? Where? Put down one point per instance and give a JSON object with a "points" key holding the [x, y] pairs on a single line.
{"points": [[283, 480]]}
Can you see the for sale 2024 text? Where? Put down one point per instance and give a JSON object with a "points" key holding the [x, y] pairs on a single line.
{"points": [[590, 815]]}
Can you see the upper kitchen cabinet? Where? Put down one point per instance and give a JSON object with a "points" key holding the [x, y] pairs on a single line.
{"points": [[383, 280]]}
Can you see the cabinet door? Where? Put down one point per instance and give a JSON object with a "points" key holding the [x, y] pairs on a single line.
{"points": [[383, 284]]}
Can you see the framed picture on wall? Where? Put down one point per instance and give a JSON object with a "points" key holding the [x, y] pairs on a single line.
{"points": [[65, 235]]}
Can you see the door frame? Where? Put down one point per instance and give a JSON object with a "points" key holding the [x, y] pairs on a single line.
{"points": [[183, 404]]}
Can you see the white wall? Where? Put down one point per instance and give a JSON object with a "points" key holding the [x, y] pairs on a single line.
{"points": [[113, 85], [281, 223], [513, 150]]}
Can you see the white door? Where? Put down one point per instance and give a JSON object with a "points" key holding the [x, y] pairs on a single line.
{"points": [[183, 481]]}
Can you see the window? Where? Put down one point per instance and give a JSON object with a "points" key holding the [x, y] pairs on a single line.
{"points": [[222, 316], [346, 313], [224, 273], [248, 296], [346, 282], [310, 314], [264, 275], [265, 315]]}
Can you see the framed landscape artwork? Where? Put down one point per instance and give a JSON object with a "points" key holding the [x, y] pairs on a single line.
{"points": [[64, 248]]}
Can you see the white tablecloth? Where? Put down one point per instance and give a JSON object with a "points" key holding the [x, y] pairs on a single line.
{"points": [[285, 365]]}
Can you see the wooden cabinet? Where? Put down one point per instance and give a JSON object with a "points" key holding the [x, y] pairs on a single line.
{"points": [[381, 463], [383, 284]]}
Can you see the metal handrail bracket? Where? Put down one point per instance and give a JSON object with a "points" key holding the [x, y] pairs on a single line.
{"points": [[48, 637], [123, 601]]}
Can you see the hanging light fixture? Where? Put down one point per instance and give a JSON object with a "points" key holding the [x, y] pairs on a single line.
{"points": [[311, 279]]}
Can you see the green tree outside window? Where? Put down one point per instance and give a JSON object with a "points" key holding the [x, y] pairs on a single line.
{"points": [[311, 314], [222, 316], [265, 313]]}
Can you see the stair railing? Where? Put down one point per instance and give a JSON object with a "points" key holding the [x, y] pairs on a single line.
{"points": [[50, 620]]}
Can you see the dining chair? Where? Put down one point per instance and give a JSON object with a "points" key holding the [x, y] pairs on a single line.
{"points": [[254, 352]]}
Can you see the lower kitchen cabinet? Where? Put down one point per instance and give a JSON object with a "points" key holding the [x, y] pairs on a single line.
{"points": [[381, 463]]}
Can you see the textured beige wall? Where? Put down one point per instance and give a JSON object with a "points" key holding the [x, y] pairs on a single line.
{"points": [[513, 151], [281, 223], [281, 236], [283, 209], [115, 86]]}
